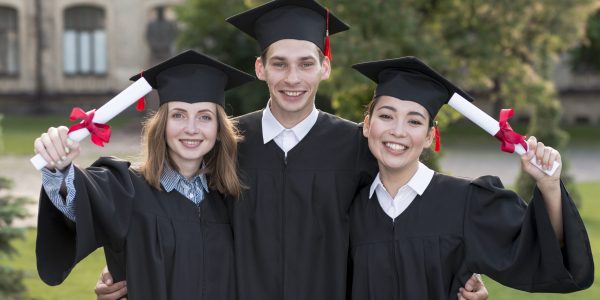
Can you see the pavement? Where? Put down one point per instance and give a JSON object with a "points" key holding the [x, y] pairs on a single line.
{"points": [[471, 162]]}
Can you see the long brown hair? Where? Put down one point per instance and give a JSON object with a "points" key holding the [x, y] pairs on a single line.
{"points": [[220, 162]]}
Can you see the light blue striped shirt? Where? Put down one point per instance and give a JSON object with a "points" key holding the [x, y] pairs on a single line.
{"points": [[194, 189]]}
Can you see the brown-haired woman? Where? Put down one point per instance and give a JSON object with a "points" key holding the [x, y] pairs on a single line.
{"points": [[164, 224]]}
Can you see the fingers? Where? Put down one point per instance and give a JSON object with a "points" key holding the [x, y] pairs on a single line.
{"points": [[111, 292], [56, 148], [105, 276], [474, 289]]}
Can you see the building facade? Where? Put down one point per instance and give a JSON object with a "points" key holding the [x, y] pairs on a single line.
{"points": [[60, 51]]}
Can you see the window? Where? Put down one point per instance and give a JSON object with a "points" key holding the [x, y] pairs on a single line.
{"points": [[84, 41], [9, 42]]}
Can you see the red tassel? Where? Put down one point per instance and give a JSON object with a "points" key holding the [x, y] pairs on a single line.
{"points": [[141, 103], [438, 143], [327, 46]]}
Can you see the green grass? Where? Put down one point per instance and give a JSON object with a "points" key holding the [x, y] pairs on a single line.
{"points": [[19, 132], [79, 285], [590, 213]]}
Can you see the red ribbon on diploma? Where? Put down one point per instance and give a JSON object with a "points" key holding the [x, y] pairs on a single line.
{"points": [[100, 133], [506, 134]]}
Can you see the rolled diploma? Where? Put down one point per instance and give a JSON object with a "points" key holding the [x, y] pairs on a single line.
{"points": [[115, 106], [490, 125]]}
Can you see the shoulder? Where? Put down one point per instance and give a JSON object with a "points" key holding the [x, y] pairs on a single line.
{"points": [[249, 118]]}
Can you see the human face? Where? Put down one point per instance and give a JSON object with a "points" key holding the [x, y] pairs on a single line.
{"points": [[292, 72], [191, 133], [398, 131]]}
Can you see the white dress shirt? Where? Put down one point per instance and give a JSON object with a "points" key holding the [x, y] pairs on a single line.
{"points": [[394, 206], [286, 138]]}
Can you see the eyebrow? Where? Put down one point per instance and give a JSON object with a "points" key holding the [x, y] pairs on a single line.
{"points": [[185, 111], [281, 58], [411, 113]]}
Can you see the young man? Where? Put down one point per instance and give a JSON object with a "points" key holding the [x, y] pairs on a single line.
{"points": [[302, 166]]}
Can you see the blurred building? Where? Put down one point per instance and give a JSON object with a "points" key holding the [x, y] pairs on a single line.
{"points": [[55, 52]]}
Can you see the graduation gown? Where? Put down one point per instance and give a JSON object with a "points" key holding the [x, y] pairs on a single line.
{"points": [[458, 227], [291, 226], [164, 245]]}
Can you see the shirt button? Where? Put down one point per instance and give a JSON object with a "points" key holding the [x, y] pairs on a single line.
{"points": [[191, 195]]}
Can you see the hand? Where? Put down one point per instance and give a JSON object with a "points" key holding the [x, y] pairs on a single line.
{"points": [[56, 148], [545, 157], [106, 290], [474, 289]]}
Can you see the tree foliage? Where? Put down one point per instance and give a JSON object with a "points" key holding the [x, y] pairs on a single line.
{"points": [[502, 51], [11, 208]]}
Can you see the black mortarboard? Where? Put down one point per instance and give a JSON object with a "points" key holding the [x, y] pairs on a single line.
{"points": [[288, 19], [408, 78], [193, 77]]}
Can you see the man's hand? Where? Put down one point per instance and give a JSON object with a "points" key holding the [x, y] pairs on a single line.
{"points": [[474, 289], [107, 290]]}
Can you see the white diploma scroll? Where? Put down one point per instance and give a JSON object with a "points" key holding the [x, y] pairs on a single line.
{"points": [[490, 125], [115, 106]]}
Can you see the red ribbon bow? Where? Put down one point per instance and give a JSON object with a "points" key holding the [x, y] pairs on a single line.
{"points": [[506, 134], [100, 132]]}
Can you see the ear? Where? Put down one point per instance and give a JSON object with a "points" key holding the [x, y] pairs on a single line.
{"points": [[325, 68], [430, 138], [366, 126], [259, 68]]}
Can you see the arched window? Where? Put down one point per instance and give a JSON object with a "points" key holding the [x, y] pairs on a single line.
{"points": [[84, 41], [9, 42]]}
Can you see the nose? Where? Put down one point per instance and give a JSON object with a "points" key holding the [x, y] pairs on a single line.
{"points": [[191, 127], [292, 76], [398, 129]]}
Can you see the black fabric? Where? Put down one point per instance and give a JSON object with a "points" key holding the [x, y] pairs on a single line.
{"points": [[408, 78], [164, 245], [193, 77], [288, 19], [460, 227], [291, 226]]}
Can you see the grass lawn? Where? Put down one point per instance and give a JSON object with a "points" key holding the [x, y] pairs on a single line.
{"points": [[79, 285]]}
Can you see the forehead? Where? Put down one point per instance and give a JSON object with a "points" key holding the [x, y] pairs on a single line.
{"points": [[197, 106], [400, 105], [292, 49]]}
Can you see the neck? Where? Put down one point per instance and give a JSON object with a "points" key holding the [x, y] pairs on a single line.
{"points": [[289, 119], [189, 170], [394, 179]]}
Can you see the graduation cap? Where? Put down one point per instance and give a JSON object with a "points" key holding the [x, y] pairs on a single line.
{"points": [[193, 77], [408, 78], [289, 19]]}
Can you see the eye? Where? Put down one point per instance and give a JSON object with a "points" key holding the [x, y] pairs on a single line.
{"points": [[205, 118], [177, 115], [415, 122], [385, 116], [279, 65], [308, 64]]}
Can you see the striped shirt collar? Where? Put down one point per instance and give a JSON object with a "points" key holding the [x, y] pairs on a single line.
{"points": [[171, 179]]}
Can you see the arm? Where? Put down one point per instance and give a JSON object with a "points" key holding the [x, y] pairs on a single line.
{"points": [[549, 186]]}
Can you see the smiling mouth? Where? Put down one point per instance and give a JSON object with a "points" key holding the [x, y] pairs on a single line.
{"points": [[395, 147], [293, 93], [191, 143]]}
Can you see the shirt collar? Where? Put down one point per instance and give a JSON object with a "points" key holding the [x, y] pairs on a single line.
{"points": [[171, 178], [418, 183], [271, 128]]}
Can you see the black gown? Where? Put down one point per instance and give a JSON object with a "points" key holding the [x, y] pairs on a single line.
{"points": [[291, 227], [164, 245], [458, 227]]}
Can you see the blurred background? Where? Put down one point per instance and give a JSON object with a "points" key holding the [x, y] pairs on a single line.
{"points": [[541, 58]]}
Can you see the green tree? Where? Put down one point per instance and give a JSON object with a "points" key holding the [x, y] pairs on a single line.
{"points": [[585, 57], [501, 51], [11, 208], [205, 29]]}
